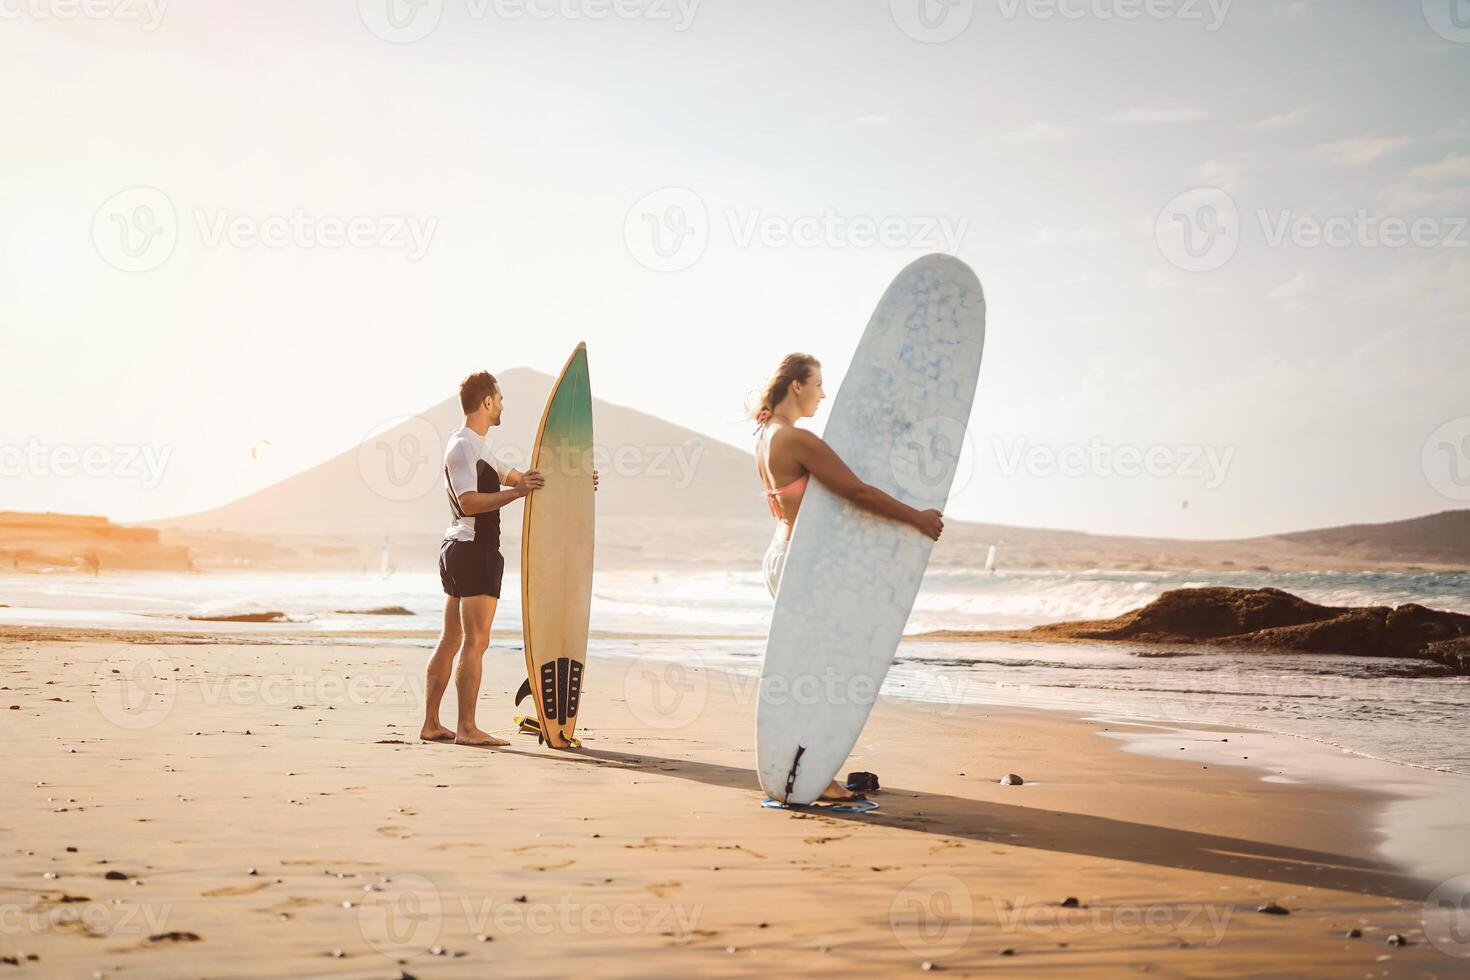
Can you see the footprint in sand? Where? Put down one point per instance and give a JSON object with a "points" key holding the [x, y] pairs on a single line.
{"points": [[665, 888], [235, 890], [397, 832]]}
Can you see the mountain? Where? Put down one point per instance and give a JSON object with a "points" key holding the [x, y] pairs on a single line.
{"points": [[1442, 537], [660, 483], [671, 497]]}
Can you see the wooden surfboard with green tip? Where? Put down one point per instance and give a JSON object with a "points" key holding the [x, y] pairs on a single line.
{"points": [[556, 557]]}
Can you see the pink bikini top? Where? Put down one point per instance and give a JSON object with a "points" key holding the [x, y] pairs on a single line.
{"points": [[797, 485]]}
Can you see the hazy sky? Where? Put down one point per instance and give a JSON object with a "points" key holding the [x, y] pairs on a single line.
{"points": [[1137, 185]]}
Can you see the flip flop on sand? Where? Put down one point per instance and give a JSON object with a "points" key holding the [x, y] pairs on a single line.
{"points": [[851, 806]]}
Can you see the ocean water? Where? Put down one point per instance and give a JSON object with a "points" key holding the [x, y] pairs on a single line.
{"points": [[1399, 711]]}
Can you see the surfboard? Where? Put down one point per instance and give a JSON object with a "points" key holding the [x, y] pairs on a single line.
{"points": [[851, 577], [556, 557]]}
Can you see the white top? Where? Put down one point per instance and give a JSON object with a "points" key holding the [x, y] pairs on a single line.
{"points": [[466, 448]]}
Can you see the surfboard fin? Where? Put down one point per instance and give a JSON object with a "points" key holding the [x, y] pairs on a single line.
{"points": [[524, 692], [530, 726]]}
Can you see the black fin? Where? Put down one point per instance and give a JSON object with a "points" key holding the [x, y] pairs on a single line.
{"points": [[524, 692]]}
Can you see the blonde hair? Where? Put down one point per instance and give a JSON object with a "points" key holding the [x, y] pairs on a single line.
{"points": [[794, 368]]}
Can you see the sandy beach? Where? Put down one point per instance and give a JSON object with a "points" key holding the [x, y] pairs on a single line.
{"points": [[208, 810]]}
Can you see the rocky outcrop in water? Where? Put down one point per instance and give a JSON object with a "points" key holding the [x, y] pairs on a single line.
{"points": [[1270, 619]]}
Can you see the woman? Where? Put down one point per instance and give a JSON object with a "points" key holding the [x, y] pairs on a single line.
{"points": [[787, 458]]}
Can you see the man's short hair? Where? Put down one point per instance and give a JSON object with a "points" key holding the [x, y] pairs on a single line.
{"points": [[475, 389]]}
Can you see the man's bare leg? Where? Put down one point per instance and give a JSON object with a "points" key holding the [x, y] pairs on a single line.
{"points": [[476, 613], [440, 670]]}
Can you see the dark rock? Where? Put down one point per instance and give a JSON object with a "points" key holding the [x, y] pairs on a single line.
{"points": [[1454, 654], [1271, 908], [1071, 903], [1396, 940], [1012, 780], [1270, 619], [174, 937], [1354, 933], [115, 876]]}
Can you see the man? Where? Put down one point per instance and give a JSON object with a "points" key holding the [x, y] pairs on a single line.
{"points": [[470, 563]]}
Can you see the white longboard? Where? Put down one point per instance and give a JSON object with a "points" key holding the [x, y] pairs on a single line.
{"points": [[851, 577]]}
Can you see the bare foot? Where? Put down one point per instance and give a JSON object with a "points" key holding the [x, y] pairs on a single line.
{"points": [[477, 738], [436, 733], [837, 793]]}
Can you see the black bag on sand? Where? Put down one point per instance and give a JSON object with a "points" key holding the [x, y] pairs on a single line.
{"points": [[862, 782]]}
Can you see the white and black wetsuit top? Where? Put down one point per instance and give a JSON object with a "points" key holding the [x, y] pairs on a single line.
{"points": [[471, 465]]}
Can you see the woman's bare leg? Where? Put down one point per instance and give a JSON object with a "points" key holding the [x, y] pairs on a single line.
{"points": [[837, 791], [440, 669]]}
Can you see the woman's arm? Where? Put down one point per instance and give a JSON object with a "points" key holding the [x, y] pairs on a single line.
{"points": [[823, 463]]}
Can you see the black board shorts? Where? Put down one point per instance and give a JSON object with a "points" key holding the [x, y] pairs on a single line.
{"points": [[469, 568]]}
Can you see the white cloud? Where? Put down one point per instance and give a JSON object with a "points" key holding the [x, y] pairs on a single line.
{"points": [[1442, 186], [1038, 132], [1224, 174], [1290, 293], [1285, 120], [875, 119], [1088, 235], [1452, 167], [1143, 115], [1363, 150]]}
